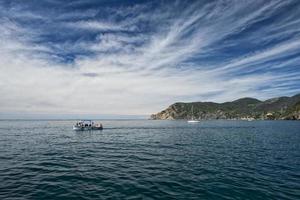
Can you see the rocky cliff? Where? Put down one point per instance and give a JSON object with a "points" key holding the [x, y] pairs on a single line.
{"points": [[245, 108]]}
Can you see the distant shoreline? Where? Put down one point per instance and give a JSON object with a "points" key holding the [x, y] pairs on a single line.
{"points": [[248, 109]]}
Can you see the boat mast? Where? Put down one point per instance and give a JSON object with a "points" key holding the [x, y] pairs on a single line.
{"points": [[192, 112]]}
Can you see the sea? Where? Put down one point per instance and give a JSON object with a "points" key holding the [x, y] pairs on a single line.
{"points": [[145, 159]]}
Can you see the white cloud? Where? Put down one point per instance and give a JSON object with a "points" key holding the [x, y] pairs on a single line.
{"points": [[96, 25], [125, 78]]}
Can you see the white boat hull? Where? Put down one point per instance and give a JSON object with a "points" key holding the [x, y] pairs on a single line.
{"points": [[193, 121], [86, 128], [78, 128]]}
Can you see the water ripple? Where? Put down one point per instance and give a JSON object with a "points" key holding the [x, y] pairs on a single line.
{"points": [[150, 160]]}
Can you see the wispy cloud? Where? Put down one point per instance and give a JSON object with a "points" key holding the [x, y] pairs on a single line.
{"points": [[97, 25], [137, 59]]}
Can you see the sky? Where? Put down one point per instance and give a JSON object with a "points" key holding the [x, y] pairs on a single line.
{"points": [[107, 57]]}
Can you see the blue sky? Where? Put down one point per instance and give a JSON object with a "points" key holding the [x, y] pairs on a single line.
{"points": [[138, 57]]}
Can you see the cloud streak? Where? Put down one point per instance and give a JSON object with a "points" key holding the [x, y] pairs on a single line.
{"points": [[137, 59]]}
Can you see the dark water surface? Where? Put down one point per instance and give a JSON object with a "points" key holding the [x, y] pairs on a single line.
{"points": [[150, 160]]}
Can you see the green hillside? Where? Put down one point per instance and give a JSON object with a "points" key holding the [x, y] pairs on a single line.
{"points": [[245, 108]]}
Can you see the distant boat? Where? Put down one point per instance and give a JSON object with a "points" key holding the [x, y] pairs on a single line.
{"points": [[87, 125], [193, 120]]}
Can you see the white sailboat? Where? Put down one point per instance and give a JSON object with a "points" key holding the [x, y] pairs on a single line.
{"points": [[193, 120]]}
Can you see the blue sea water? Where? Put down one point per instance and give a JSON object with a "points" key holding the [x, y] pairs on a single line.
{"points": [[146, 159]]}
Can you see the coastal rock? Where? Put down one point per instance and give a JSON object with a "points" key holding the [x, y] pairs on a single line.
{"points": [[294, 112]]}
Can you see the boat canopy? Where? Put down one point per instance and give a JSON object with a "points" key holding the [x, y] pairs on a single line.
{"points": [[85, 121]]}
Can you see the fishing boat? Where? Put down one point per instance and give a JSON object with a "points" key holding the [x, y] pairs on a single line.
{"points": [[87, 125], [193, 120]]}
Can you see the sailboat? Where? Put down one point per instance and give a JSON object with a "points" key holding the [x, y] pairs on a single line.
{"points": [[193, 120]]}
